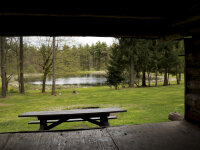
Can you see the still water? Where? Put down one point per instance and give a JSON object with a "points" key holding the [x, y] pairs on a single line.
{"points": [[90, 80]]}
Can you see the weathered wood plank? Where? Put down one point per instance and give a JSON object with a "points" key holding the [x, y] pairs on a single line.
{"points": [[166, 136], [91, 139], [160, 136], [4, 140], [72, 112], [192, 79], [22, 141], [79, 140], [72, 120]]}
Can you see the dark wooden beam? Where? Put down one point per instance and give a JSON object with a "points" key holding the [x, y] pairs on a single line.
{"points": [[192, 79]]}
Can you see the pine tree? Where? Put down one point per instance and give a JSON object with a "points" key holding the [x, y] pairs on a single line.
{"points": [[115, 68], [128, 50]]}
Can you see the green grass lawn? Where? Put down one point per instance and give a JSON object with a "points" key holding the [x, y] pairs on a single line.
{"points": [[143, 105]]}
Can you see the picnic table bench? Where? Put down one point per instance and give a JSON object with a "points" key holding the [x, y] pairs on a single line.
{"points": [[98, 116]]}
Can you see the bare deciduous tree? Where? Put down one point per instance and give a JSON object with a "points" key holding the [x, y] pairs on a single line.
{"points": [[3, 75], [21, 64], [54, 68], [45, 59]]}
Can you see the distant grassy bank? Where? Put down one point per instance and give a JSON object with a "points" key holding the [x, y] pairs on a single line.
{"points": [[143, 105], [38, 77], [81, 73]]}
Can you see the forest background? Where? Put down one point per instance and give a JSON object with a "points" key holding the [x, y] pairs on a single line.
{"points": [[146, 58]]}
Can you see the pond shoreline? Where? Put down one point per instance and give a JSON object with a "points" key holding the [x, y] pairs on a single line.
{"points": [[33, 77]]}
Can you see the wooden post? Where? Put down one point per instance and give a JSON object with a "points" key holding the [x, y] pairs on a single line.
{"points": [[54, 67], [192, 79], [3, 75]]}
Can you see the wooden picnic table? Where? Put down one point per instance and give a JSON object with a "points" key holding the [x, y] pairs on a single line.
{"points": [[58, 117]]}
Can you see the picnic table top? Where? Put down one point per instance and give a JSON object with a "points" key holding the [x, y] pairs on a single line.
{"points": [[73, 112]]}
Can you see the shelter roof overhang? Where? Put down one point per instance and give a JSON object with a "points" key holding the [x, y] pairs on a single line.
{"points": [[170, 19]]}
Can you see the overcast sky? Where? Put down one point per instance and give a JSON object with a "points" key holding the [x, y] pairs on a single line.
{"points": [[74, 40], [90, 40]]}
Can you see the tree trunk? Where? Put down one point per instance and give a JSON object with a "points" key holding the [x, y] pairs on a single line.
{"points": [[165, 78], [149, 79], [3, 75], [179, 76], [21, 63], [156, 80], [99, 64], [177, 79], [106, 60], [93, 61], [144, 79], [132, 72], [18, 79], [7, 81], [54, 68], [7, 86], [44, 82], [168, 78], [7, 78], [88, 62]]}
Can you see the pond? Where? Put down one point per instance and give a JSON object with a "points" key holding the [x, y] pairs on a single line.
{"points": [[86, 80]]}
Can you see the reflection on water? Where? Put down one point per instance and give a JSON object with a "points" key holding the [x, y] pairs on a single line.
{"points": [[85, 80]]}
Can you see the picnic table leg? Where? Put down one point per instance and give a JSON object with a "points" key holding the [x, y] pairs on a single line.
{"points": [[104, 120], [43, 124]]}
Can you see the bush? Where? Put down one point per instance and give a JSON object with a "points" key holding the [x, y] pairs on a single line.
{"points": [[13, 91], [30, 69]]}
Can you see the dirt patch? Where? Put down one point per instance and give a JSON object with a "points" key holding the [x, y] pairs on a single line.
{"points": [[113, 114], [80, 126]]}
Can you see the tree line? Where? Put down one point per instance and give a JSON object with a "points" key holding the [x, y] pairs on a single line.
{"points": [[84, 58], [127, 61], [132, 60], [21, 57]]}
